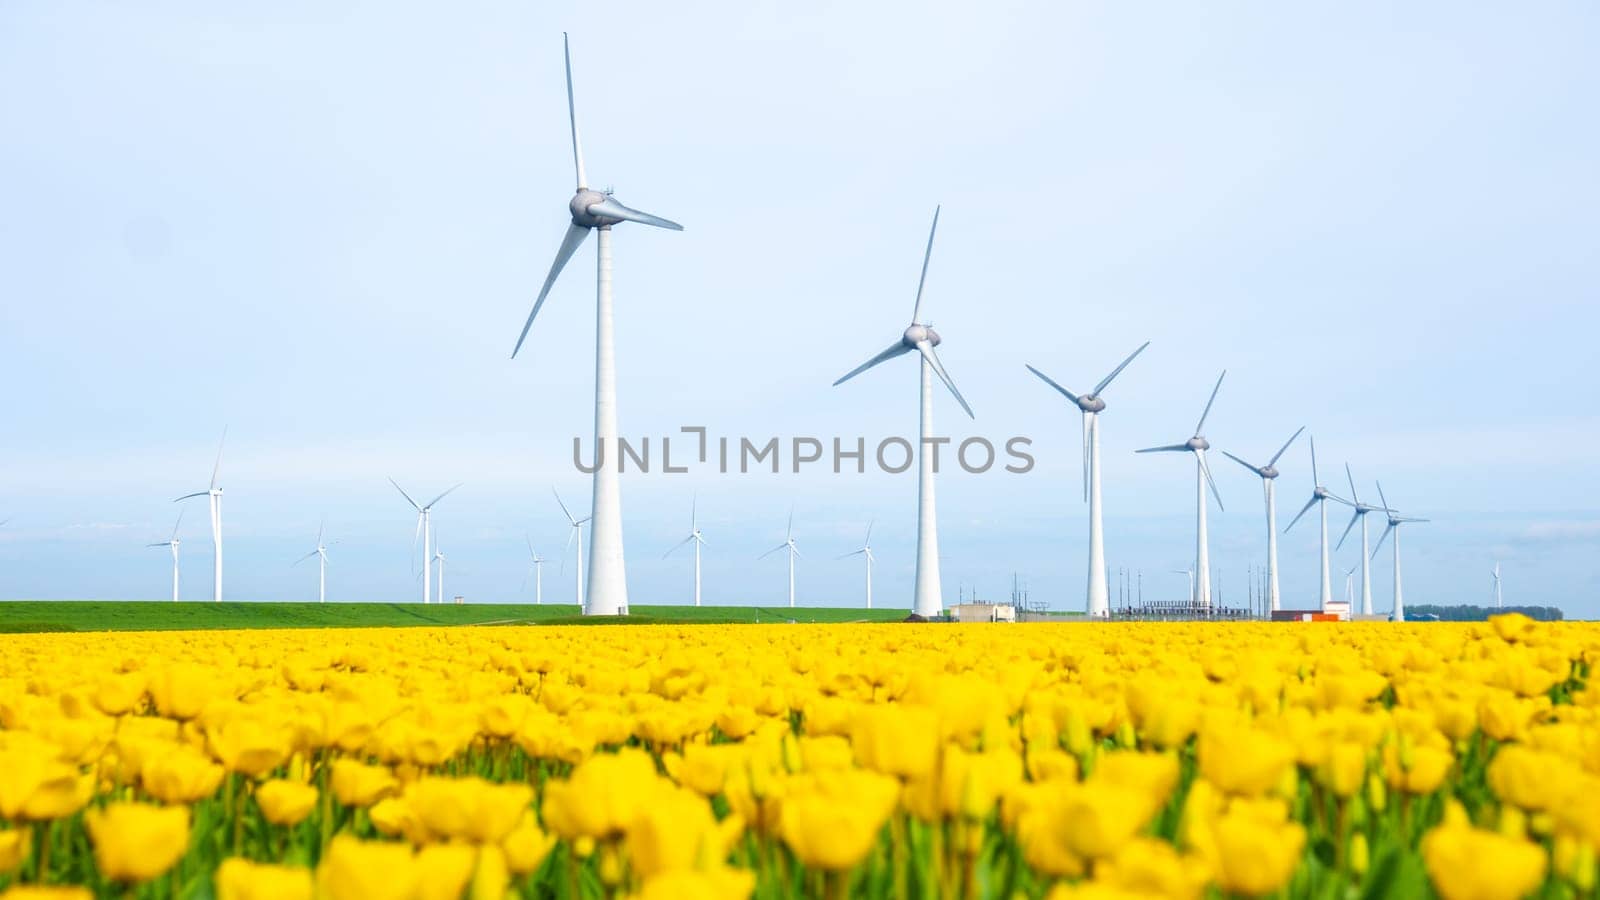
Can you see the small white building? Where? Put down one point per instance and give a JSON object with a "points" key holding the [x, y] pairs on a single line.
{"points": [[983, 612]]}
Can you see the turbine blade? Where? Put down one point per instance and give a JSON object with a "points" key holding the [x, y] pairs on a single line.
{"points": [[897, 348], [788, 530], [840, 556], [569, 246], [218, 466], [1303, 510], [1381, 539], [932, 356], [175, 525], [1169, 448], [610, 207], [868, 541], [564, 510], [195, 494], [403, 494], [772, 551], [1241, 462], [1410, 519], [443, 495], [1202, 423], [1106, 381], [1050, 381], [676, 546], [303, 558], [572, 115], [1353, 519], [1384, 500], [694, 504], [916, 308], [1207, 470], [1315, 478], [532, 554], [320, 526], [1353, 495], [1274, 459]]}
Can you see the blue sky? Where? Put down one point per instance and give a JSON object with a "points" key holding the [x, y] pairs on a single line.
{"points": [[323, 224]]}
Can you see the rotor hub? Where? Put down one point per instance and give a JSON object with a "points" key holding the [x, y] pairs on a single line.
{"points": [[1197, 443], [581, 201], [1268, 471], [916, 334], [1091, 403]]}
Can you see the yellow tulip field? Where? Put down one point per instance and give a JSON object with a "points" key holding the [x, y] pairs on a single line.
{"points": [[1072, 760]]}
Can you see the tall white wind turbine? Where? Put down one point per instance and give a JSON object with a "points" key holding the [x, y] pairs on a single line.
{"points": [[1361, 510], [576, 532], [593, 210], [928, 594], [1269, 475], [536, 562], [172, 544], [1198, 445], [322, 564], [1319, 498], [698, 540], [866, 552], [1395, 521], [793, 553], [1097, 601], [1499, 601], [214, 497], [425, 531]]}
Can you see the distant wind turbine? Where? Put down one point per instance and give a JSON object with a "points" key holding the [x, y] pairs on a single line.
{"points": [[1499, 601], [1319, 498], [1269, 475], [214, 494], [793, 553], [438, 558], [1097, 601], [698, 541], [1398, 613], [537, 563], [425, 530], [171, 543], [928, 593], [1190, 573], [866, 552], [576, 532], [322, 564], [597, 211], [1198, 445], [1361, 510]]}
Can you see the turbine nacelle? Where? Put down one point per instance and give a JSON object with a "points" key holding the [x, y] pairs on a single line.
{"points": [[1268, 471], [1197, 443], [916, 334], [1091, 403]]}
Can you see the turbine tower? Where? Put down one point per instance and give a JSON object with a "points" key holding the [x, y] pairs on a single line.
{"points": [[794, 552], [866, 552], [598, 211], [1198, 445], [576, 532], [173, 543], [537, 562], [1269, 475], [1319, 498], [1395, 521], [214, 495], [425, 530], [928, 595], [322, 565], [1096, 602], [1499, 601], [1361, 510], [438, 557], [698, 540]]}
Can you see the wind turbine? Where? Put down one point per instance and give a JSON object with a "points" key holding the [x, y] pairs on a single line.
{"points": [[322, 564], [1096, 602], [1499, 601], [794, 551], [928, 595], [1349, 589], [425, 530], [576, 532], [1395, 521], [1198, 445], [173, 543], [598, 211], [699, 541], [1361, 510], [866, 551], [1269, 475], [1189, 572], [214, 494], [1319, 498], [438, 557], [537, 562]]}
